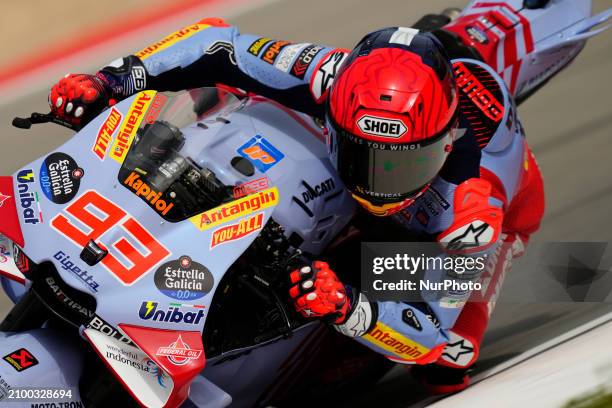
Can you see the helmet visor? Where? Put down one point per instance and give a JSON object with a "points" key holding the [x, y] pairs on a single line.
{"points": [[383, 173]]}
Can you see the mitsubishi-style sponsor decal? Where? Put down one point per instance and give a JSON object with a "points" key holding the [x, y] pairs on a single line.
{"points": [[382, 127]]}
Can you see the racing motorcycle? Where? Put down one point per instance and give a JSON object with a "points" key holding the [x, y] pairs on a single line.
{"points": [[147, 256]]}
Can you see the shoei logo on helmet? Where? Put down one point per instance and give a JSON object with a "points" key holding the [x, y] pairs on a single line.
{"points": [[383, 127]]}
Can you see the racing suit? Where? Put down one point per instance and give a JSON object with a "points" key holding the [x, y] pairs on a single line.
{"points": [[490, 190]]}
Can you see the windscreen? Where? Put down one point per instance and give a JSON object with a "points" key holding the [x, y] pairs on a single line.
{"points": [[161, 166]]}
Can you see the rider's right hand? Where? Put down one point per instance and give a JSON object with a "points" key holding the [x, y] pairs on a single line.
{"points": [[78, 98]]}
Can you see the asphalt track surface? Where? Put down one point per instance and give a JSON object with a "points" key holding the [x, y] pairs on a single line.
{"points": [[568, 125]]}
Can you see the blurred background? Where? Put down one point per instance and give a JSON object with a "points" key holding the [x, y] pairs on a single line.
{"points": [[568, 122]]}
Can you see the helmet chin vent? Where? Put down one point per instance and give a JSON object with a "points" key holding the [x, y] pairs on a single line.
{"points": [[386, 98]]}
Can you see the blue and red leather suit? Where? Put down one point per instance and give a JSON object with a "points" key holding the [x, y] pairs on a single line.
{"points": [[489, 191]]}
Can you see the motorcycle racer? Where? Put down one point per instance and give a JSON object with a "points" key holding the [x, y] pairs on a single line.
{"points": [[393, 107]]}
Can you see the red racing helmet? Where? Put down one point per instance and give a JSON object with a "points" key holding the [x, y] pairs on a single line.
{"points": [[392, 117]]}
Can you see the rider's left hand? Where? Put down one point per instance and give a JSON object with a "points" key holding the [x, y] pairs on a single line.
{"points": [[317, 292]]}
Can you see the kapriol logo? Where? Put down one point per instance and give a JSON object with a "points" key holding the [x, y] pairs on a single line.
{"points": [[383, 127]]}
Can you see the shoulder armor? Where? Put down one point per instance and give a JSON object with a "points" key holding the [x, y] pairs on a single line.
{"points": [[325, 72], [477, 224], [485, 104]]}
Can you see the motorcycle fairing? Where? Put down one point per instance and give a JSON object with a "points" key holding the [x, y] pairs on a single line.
{"points": [[8, 267], [49, 358], [9, 224], [526, 47], [123, 302]]}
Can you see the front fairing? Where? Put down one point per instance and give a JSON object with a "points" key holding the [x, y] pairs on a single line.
{"points": [[162, 266]]}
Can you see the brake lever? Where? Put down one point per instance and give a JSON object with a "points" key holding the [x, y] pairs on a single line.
{"points": [[37, 118]]}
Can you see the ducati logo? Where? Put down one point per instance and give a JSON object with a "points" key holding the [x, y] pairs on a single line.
{"points": [[383, 127]]}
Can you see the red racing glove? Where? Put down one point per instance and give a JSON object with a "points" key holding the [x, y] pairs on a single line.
{"points": [[317, 292], [78, 98]]}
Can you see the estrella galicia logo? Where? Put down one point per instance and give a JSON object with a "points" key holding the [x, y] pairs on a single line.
{"points": [[184, 279], [60, 178], [173, 314], [28, 199], [261, 153]]}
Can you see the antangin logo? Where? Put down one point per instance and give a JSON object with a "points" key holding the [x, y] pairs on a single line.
{"points": [[105, 134], [236, 209], [170, 39], [130, 125], [383, 127], [386, 338]]}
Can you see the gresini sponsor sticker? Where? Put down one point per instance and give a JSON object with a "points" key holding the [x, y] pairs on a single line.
{"points": [[236, 209], [383, 127], [130, 125], [179, 352], [184, 279], [60, 178]]}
